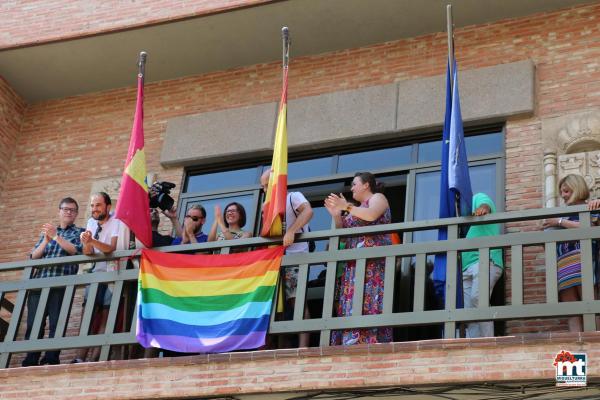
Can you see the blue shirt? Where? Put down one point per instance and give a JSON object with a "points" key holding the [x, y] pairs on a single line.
{"points": [[52, 250], [200, 238]]}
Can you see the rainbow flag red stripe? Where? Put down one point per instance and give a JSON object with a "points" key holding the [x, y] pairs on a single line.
{"points": [[274, 206], [206, 303], [133, 203]]}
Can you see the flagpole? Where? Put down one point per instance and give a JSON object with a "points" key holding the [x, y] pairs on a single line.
{"points": [[450, 29], [459, 289], [142, 65], [285, 35]]}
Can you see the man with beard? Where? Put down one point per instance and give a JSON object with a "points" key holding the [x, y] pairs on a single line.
{"points": [[55, 241], [192, 226], [100, 236]]}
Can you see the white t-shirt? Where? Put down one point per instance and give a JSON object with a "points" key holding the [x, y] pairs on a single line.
{"points": [[295, 200], [109, 230]]}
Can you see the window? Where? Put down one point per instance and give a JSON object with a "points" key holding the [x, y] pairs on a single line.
{"points": [[410, 172], [395, 165]]}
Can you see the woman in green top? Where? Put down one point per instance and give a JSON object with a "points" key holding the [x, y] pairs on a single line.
{"points": [[230, 223], [482, 205]]}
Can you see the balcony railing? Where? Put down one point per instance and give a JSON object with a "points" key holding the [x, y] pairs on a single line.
{"points": [[413, 255]]}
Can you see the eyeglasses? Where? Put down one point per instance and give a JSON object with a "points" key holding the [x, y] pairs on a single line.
{"points": [[193, 217], [231, 211], [68, 210]]}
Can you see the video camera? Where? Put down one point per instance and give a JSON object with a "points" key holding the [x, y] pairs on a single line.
{"points": [[159, 195]]}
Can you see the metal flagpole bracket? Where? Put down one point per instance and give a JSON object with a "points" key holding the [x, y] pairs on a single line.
{"points": [[285, 35], [142, 64]]}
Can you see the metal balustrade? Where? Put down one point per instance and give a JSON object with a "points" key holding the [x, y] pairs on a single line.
{"points": [[13, 293]]}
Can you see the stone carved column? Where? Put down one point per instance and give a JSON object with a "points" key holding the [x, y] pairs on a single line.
{"points": [[550, 173]]}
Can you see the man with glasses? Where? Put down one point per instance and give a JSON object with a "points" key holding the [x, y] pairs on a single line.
{"points": [[55, 241], [192, 226], [100, 237]]}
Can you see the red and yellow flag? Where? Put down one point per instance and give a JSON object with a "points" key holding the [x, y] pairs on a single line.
{"points": [[274, 206], [133, 204]]}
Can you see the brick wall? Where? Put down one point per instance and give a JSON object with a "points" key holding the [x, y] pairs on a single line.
{"points": [[30, 23], [12, 108], [65, 145], [289, 373]]}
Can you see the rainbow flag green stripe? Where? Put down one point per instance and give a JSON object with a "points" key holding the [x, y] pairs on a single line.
{"points": [[207, 303], [213, 303]]}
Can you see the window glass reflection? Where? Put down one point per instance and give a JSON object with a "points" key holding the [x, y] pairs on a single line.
{"points": [[320, 221], [484, 144], [427, 203], [483, 179], [309, 168], [430, 151], [221, 180], [476, 146], [427, 194], [375, 159]]}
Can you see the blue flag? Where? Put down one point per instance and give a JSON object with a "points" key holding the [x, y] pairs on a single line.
{"points": [[455, 183], [459, 181]]}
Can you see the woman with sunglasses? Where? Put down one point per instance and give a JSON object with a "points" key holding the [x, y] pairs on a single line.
{"points": [[230, 223]]}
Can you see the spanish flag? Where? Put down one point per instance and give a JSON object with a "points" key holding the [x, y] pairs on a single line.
{"points": [[274, 206], [206, 303], [133, 205]]}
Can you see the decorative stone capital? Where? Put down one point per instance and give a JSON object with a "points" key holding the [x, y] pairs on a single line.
{"points": [[572, 146], [573, 133]]}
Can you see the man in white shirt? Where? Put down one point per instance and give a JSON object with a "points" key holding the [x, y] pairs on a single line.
{"points": [[100, 236]]}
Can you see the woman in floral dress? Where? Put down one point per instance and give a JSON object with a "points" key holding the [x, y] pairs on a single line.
{"points": [[374, 209]]}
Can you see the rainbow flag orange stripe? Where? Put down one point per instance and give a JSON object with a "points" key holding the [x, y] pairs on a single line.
{"points": [[274, 206], [206, 303]]}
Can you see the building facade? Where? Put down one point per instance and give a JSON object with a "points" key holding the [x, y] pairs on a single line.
{"points": [[366, 92]]}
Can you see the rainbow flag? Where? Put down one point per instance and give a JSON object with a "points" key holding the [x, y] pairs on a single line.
{"points": [[133, 203], [275, 198], [206, 303]]}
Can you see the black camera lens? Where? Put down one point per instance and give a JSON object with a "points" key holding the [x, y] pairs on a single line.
{"points": [[159, 195]]}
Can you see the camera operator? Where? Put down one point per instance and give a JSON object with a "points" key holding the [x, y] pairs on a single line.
{"points": [[158, 239]]}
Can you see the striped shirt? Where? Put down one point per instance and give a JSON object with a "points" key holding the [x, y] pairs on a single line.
{"points": [[52, 250]]}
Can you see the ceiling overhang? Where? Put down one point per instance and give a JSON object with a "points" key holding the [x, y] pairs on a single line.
{"points": [[239, 38]]}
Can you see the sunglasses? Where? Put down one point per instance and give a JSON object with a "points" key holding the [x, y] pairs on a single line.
{"points": [[194, 218]]}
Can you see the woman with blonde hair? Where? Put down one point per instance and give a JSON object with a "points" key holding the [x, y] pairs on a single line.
{"points": [[573, 191]]}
